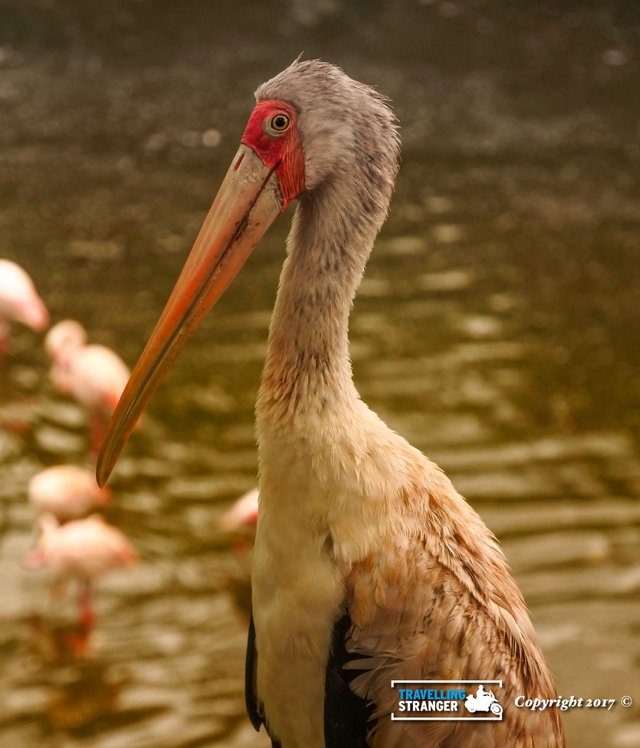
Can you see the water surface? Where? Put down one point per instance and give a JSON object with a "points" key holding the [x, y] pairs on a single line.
{"points": [[496, 328]]}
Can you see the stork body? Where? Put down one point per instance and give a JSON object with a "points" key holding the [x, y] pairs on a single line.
{"points": [[368, 565], [352, 518], [381, 536]]}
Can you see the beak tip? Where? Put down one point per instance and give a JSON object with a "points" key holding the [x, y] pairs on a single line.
{"points": [[103, 470]]}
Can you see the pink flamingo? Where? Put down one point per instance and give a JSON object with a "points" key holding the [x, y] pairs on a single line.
{"points": [[92, 374], [66, 491], [82, 549], [19, 302], [243, 512], [240, 521]]}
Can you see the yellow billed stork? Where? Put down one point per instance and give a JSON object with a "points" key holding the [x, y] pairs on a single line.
{"points": [[368, 565]]}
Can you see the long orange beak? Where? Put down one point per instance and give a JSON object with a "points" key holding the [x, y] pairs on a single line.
{"points": [[248, 202]]}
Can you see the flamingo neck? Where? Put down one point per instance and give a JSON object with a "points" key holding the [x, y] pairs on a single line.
{"points": [[308, 364]]}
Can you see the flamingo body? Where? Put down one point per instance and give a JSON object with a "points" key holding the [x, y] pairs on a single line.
{"points": [[65, 491], [93, 374], [83, 548], [19, 300], [243, 512]]}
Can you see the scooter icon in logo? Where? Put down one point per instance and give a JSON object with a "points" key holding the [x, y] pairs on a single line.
{"points": [[483, 701]]}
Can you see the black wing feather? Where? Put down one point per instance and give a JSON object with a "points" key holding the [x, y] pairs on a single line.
{"points": [[347, 717], [254, 707], [250, 695]]}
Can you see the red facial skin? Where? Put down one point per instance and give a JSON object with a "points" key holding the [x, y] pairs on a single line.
{"points": [[282, 152]]}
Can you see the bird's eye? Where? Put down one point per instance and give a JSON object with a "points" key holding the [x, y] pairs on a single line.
{"points": [[279, 122]]}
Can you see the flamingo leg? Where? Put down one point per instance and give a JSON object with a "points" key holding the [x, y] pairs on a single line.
{"points": [[58, 590], [4, 344], [97, 426], [87, 614]]}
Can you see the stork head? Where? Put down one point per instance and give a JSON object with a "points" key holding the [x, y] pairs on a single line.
{"points": [[312, 127], [342, 126]]}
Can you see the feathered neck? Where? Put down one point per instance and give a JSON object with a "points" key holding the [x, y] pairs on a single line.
{"points": [[331, 238]]}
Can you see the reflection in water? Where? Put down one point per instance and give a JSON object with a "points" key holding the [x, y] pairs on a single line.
{"points": [[494, 329]]}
